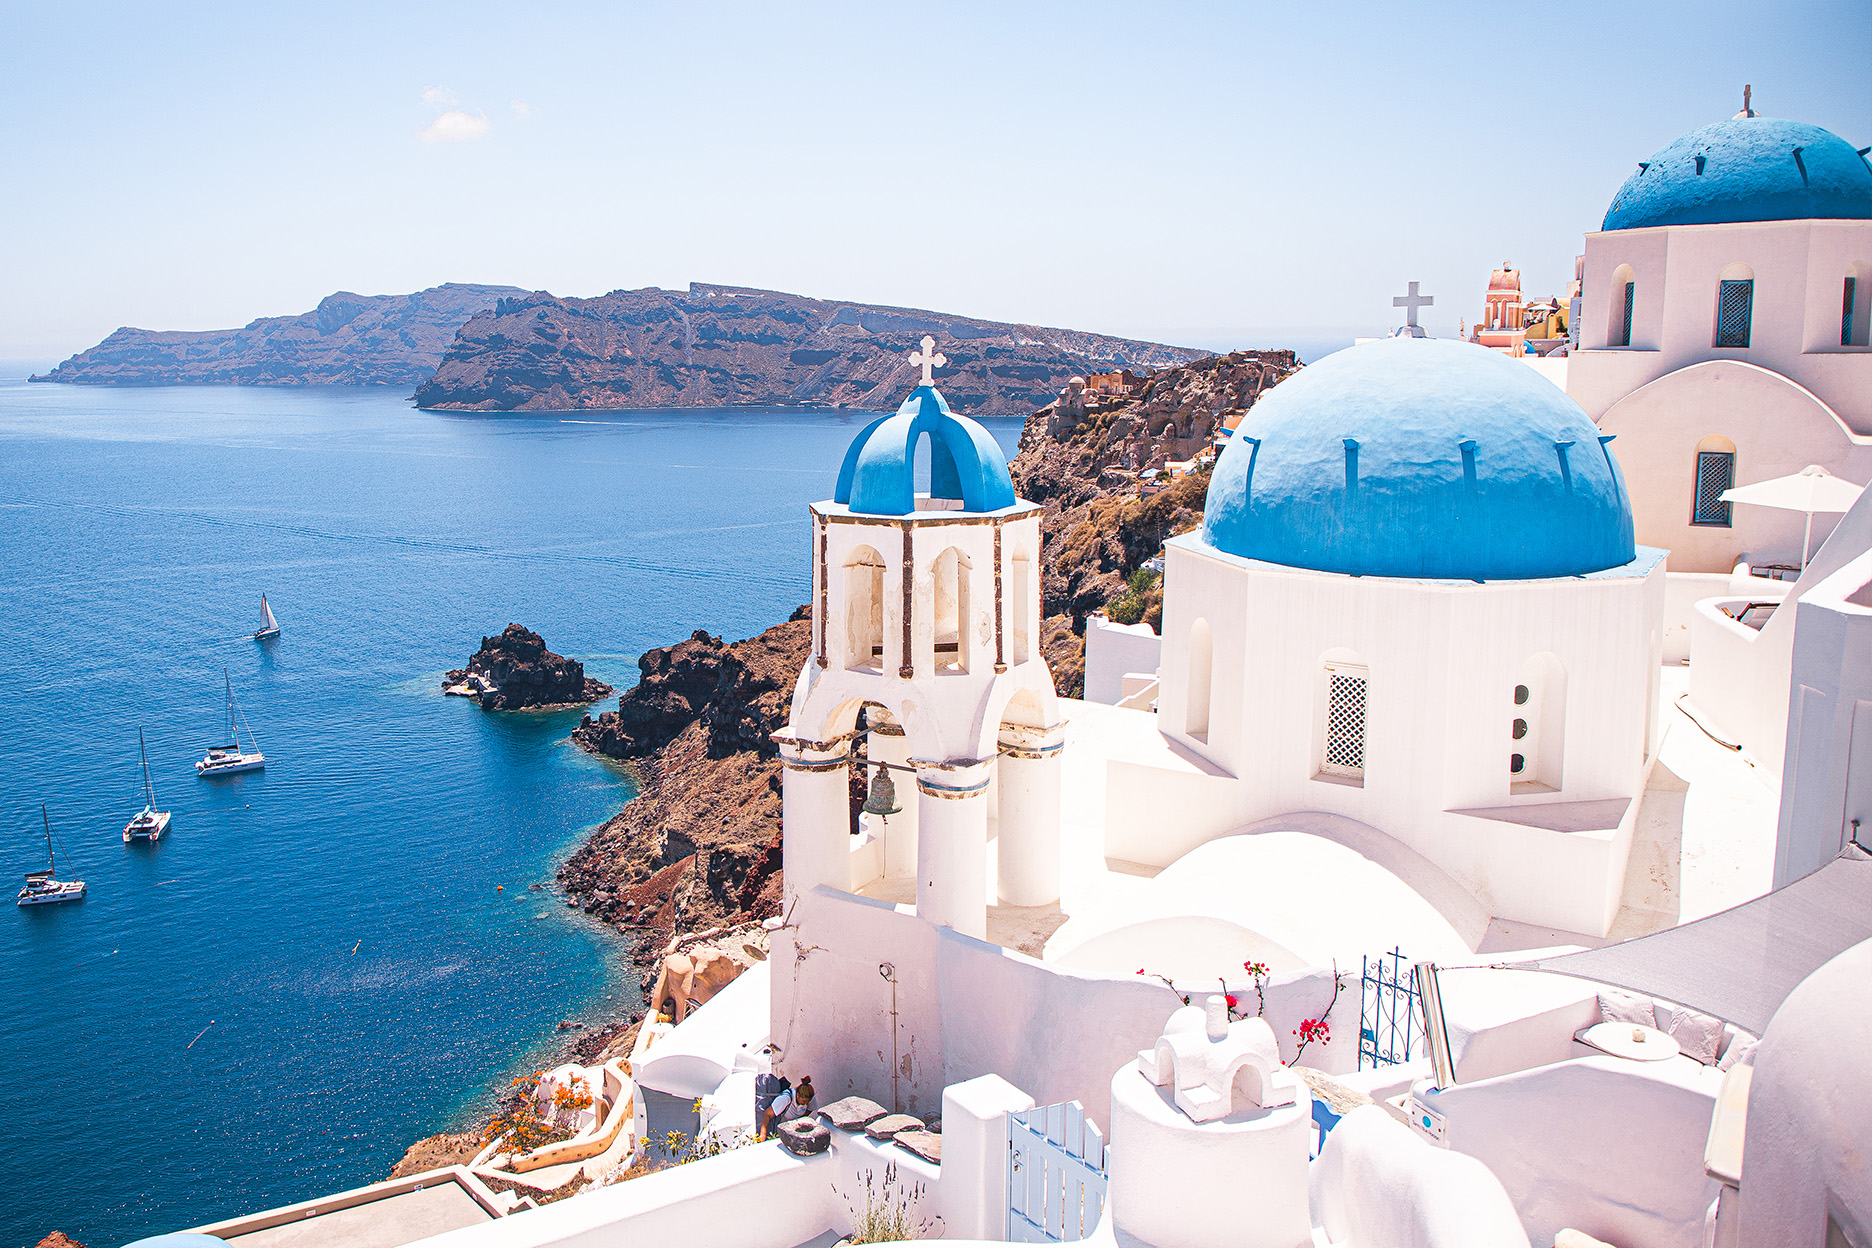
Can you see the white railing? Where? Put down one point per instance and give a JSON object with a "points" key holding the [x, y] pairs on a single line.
{"points": [[1056, 1175]]}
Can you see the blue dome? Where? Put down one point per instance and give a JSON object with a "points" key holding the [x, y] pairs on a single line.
{"points": [[1425, 458], [878, 477], [1746, 169]]}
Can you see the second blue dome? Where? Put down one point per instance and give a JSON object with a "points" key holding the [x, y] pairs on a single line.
{"points": [[1424, 458]]}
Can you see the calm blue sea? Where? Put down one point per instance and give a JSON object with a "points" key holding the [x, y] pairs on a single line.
{"points": [[324, 961]]}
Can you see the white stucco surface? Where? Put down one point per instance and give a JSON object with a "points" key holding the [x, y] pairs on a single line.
{"points": [[1377, 1185], [699, 1052], [1114, 651]]}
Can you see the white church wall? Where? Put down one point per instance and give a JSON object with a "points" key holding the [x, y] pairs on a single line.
{"points": [[1442, 661], [1797, 266], [1682, 591], [1774, 428], [1114, 651], [1826, 791], [1604, 1145]]}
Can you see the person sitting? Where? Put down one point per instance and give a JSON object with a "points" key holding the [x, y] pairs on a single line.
{"points": [[790, 1104]]}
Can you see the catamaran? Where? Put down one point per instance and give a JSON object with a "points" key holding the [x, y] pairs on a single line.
{"points": [[225, 760], [43, 887], [269, 627], [150, 823]]}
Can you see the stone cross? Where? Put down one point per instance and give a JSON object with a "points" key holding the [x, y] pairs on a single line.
{"points": [[929, 358], [1411, 303]]}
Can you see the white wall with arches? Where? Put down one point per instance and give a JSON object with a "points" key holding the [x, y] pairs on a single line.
{"points": [[1394, 702]]}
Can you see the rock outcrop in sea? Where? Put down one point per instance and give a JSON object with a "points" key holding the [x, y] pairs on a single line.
{"points": [[515, 671], [1080, 458], [348, 340], [699, 846], [720, 346]]}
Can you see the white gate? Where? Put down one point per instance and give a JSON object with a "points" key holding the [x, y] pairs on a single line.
{"points": [[1056, 1175]]}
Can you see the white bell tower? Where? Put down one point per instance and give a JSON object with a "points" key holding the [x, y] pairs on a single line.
{"points": [[926, 615]]}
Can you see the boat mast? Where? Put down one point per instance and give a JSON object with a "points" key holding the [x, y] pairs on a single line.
{"points": [[149, 790], [50, 861], [232, 734]]}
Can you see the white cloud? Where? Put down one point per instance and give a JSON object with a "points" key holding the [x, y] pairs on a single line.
{"points": [[439, 97], [526, 110], [454, 126]]}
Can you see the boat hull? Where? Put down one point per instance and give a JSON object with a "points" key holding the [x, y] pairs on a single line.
{"points": [[148, 826], [229, 765], [265, 633], [73, 890]]}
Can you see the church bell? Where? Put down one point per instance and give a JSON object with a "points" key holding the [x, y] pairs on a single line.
{"points": [[883, 797]]}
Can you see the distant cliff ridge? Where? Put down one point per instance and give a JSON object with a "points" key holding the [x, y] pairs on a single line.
{"points": [[720, 346], [348, 340]]}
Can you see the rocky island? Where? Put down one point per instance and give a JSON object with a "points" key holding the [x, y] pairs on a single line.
{"points": [[348, 340], [515, 672], [721, 346]]}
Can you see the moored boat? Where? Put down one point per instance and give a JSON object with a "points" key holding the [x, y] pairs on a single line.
{"points": [[44, 887], [149, 823], [225, 760]]}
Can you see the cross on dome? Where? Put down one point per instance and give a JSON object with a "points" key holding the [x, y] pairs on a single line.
{"points": [[930, 358], [1413, 301]]}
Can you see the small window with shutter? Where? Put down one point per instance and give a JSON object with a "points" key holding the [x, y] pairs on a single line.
{"points": [[1715, 472], [1734, 304], [1343, 750]]}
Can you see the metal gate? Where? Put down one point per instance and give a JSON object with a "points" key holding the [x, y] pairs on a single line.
{"points": [[1055, 1176], [1390, 1016]]}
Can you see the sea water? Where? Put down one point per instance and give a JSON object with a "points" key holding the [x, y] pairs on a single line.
{"points": [[326, 960]]}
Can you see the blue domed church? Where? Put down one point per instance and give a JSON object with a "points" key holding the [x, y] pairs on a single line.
{"points": [[1416, 605], [1722, 333]]}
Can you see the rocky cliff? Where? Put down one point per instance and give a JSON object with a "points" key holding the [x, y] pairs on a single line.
{"points": [[699, 846], [719, 346], [1081, 457], [349, 340], [515, 672]]}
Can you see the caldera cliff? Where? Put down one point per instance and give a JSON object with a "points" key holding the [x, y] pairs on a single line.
{"points": [[722, 346]]}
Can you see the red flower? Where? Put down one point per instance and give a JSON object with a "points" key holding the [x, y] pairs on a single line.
{"points": [[1230, 998]]}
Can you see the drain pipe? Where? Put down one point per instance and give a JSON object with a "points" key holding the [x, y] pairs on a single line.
{"points": [[889, 972]]}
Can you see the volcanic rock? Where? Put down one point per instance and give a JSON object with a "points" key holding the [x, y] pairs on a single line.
{"points": [[720, 346], [515, 671], [1081, 457], [350, 340]]}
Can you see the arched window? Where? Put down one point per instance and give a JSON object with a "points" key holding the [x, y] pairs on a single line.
{"points": [[1537, 727], [1019, 618], [1196, 692], [1624, 295], [951, 601], [1735, 305], [1715, 472], [1853, 304], [1344, 685], [864, 610]]}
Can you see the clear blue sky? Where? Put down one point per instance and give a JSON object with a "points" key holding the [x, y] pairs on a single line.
{"points": [[1195, 173]]}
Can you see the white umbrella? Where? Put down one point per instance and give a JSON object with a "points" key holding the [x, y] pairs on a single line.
{"points": [[1812, 489]]}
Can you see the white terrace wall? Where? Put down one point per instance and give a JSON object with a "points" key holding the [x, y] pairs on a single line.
{"points": [[1607, 1146], [966, 1008]]}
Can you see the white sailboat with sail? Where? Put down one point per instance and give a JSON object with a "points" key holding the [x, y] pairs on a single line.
{"points": [[44, 887], [149, 824], [269, 627], [225, 760]]}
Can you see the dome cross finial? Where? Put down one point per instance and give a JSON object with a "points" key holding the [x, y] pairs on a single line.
{"points": [[929, 358]]}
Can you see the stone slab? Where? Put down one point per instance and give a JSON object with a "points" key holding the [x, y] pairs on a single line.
{"points": [[890, 1124], [853, 1113]]}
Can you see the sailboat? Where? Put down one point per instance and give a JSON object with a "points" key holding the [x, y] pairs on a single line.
{"points": [[225, 760], [269, 627], [43, 887], [151, 823]]}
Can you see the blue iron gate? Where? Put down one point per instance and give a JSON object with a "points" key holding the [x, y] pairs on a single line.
{"points": [[1056, 1175], [1390, 1015]]}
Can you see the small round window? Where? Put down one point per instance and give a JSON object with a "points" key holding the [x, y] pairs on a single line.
{"points": [[1516, 764], [1520, 695], [1520, 729]]}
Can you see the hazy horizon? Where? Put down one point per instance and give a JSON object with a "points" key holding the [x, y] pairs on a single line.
{"points": [[1211, 176]]}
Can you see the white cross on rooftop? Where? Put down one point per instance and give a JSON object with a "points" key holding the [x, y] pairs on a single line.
{"points": [[1412, 301], [929, 358]]}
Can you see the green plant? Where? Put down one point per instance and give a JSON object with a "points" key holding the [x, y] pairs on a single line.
{"points": [[889, 1214]]}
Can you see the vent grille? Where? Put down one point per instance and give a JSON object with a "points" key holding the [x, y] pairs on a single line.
{"points": [[1715, 472], [1733, 301], [1345, 722]]}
